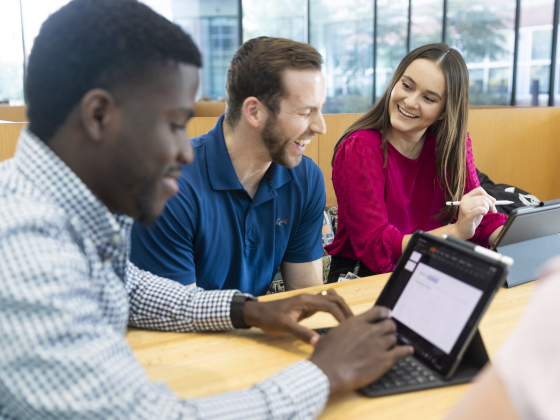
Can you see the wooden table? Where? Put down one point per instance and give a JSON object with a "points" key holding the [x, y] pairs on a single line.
{"points": [[203, 364]]}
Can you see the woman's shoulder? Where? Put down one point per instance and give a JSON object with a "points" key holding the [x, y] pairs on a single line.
{"points": [[372, 137], [362, 145]]}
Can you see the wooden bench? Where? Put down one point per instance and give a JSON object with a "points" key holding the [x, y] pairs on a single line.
{"points": [[517, 146], [13, 113], [9, 133]]}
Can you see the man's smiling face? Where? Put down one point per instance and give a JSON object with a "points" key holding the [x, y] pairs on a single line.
{"points": [[299, 119], [151, 142]]}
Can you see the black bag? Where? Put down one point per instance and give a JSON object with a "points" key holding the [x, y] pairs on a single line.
{"points": [[519, 197]]}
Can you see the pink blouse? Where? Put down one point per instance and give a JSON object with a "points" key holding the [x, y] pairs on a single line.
{"points": [[378, 206]]}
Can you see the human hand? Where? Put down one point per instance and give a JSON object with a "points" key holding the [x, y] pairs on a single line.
{"points": [[359, 351], [283, 316], [473, 207]]}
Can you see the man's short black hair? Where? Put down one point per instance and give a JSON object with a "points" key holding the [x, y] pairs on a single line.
{"points": [[91, 44]]}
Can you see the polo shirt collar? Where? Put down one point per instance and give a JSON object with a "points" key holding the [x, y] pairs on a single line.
{"points": [[279, 175], [220, 168]]}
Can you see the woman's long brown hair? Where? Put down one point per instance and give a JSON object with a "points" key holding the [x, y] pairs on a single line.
{"points": [[450, 132]]}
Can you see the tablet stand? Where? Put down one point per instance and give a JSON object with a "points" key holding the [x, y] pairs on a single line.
{"points": [[473, 361]]}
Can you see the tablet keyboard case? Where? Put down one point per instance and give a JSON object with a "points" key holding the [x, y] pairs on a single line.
{"points": [[473, 361], [529, 257]]}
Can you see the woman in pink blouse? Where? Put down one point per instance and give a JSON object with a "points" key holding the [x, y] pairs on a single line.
{"points": [[395, 168]]}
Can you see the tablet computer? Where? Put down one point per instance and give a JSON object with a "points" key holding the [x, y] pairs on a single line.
{"points": [[526, 223], [438, 293], [531, 237]]}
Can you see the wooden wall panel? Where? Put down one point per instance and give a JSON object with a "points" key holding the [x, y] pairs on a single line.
{"points": [[13, 113], [517, 146], [209, 109], [199, 126], [520, 147], [9, 133], [336, 125]]}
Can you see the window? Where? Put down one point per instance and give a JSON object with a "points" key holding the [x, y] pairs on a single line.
{"points": [[483, 32], [11, 54], [392, 34], [426, 24], [535, 46], [342, 31], [282, 19], [214, 26]]}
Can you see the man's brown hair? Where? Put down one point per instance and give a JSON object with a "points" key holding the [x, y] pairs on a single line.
{"points": [[256, 70]]}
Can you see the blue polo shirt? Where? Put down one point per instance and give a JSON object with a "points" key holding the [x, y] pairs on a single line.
{"points": [[214, 234]]}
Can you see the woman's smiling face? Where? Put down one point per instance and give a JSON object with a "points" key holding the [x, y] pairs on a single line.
{"points": [[418, 99]]}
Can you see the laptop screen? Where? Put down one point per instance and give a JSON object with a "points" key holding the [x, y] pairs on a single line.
{"points": [[437, 294]]}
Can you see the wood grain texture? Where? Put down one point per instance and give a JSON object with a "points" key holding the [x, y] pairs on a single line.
{"points": [[199, 126], [520, 147], [516, 146], [336, 125], [9, 133], [13, 113], [512, 145], [196, 365], [209, 109]]}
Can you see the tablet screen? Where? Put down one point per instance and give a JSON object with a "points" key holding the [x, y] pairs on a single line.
{"points": [[437, 294]]}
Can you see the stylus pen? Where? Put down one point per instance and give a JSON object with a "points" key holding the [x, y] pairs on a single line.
{"points": [[484, 251], [496, 203]]}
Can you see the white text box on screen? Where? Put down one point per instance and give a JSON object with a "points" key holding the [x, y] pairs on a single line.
{"points": [[436, 306]]}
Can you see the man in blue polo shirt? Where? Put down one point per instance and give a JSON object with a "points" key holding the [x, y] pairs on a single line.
{"points": [[251, 202]]}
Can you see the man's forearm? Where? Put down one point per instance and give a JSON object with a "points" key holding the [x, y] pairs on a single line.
{"points": [[162, 304], [300, 275]]}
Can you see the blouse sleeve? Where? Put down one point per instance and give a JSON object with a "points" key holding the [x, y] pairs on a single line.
{"points": [[359, 182], [491, 221]]}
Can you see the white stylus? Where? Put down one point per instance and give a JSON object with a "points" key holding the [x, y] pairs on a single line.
{"points": [[496, 203]]}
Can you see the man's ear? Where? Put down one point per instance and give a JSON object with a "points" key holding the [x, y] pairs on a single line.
{"points": [[97, 111], [254, 112]]}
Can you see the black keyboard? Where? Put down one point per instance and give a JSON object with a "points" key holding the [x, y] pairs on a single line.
{"points": [[405, 376]]}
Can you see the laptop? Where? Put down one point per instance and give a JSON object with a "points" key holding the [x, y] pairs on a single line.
{"points": [[531, 237], [438, 293]]}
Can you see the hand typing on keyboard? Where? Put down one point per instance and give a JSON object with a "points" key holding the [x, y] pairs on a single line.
{"points": [[359, 351]]}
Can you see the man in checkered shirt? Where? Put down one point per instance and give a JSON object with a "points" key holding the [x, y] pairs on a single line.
{"points": [[110, 88]]}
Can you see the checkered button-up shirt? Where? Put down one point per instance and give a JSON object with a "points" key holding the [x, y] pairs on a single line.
{"points": [[67, 294]]}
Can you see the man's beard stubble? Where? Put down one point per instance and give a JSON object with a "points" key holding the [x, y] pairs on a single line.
{"points": [[277, 145]]}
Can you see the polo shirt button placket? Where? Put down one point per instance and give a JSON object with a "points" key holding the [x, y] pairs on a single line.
{"points": [[248, 237]]}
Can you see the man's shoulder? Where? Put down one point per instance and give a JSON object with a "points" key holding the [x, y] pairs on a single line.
{"points": [[199, 141], [192, 173], [24, 207], [307, 182]]}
